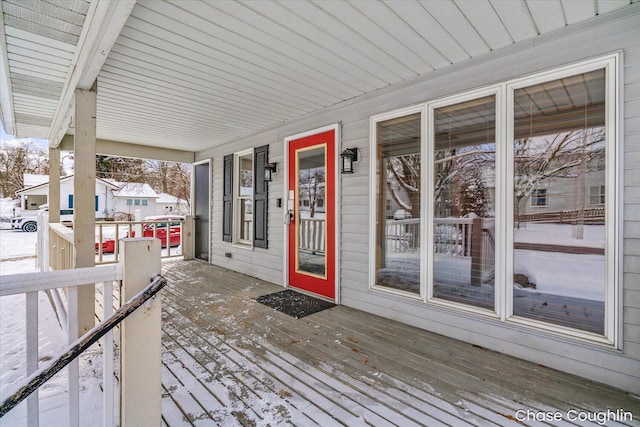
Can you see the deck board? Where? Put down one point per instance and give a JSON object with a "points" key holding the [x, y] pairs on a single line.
{"points": [[231, 361]]}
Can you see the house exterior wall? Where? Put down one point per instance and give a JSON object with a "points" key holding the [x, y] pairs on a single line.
{"points": [[123, 208], [39, 196], [618, 367]]}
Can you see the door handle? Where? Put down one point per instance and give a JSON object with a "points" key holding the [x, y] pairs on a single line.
{"points": [[288, 218]]}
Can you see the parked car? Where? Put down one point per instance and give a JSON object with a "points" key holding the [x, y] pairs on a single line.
{"points": [[160, 230], [25, 223], [29, 223], [156, 229]]}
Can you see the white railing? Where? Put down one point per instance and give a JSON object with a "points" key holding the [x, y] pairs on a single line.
{"points": [[130, 276], [452, 236], [311, 235], [471, 238], [175, 243], [403, 235], [61, 255]]}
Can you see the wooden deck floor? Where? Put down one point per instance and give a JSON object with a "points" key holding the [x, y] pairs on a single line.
{"points": [[228, 360]]}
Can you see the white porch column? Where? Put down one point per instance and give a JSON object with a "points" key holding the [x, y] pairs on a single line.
{"points": [[84, 190], [140, 337], [54, 185]]}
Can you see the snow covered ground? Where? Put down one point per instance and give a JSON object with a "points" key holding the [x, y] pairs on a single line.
{"points": [[17, 256]]}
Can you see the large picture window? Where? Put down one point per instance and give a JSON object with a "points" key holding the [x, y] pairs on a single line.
{"points": [[502, 201], [398, 217], [463, 206], [559, 131]]}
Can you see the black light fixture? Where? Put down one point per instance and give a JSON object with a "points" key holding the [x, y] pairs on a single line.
{"points": [[348, 156], [269, 170]]}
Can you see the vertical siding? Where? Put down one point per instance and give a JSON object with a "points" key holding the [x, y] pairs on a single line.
{"points": [[616, 368]]}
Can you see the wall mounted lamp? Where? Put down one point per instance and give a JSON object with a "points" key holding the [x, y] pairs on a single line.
{"points": [[348, 156], [269, 170]]}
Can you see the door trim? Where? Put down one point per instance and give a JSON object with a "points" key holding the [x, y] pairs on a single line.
{"points": [[336, 128], [193, 199]]}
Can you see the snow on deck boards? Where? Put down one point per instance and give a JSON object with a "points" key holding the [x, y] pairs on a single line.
{"points": [[228, 360]]}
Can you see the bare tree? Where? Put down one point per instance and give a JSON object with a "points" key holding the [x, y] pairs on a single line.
{"points": [[16, 160], [563, 155], [403, 179], [312, 181]]}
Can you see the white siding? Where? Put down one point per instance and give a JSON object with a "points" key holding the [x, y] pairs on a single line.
{"points": [[617, 368]]}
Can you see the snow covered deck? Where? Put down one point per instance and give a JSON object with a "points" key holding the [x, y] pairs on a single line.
{"points": [[231, 361]]}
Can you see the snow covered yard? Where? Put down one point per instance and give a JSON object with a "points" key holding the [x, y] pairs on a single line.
{"points": [[17, 256]]}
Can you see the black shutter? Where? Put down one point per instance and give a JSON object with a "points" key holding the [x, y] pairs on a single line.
{"points": [[227, 200], [260, 197]]}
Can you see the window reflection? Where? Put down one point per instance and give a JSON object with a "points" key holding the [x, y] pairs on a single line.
{"points": [[398, 203], [311, 234], [559, 213], [464, 210]]}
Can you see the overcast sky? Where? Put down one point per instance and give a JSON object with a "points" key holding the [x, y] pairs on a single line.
{"points": [[9, 138]]}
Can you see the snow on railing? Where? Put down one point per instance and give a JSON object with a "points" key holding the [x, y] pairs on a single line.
{"points": [[140, 337], [452, 236], [175, 243]]}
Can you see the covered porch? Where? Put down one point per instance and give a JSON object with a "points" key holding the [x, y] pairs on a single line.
{"points": [[227, 357]]}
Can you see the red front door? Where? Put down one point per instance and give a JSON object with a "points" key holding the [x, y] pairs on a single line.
{"points": [[312, 203]]}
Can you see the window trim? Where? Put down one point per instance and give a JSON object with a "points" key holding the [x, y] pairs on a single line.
{"points": [[498, 93], [237, 221], [534, 196], [612, 319], [504, 93], [374, 120]]}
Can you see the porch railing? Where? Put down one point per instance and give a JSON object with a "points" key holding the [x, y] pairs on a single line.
{"points": [[176, 237], [470, 238], [139, 336], [311, 237], [452, 236]]}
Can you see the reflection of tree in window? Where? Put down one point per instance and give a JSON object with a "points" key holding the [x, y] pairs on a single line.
{"points": [[559, 162], [311, 186]]}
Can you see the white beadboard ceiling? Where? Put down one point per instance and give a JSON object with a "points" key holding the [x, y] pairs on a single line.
{"points": [[190, 74]]}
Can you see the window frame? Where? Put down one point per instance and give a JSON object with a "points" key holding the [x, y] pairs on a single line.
{"points": [[237, 199], [611, 65], [498, 93], [373, 144], [535, 196], [504, 198]]}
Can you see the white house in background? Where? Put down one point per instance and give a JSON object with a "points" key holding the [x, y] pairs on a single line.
{"points": [[168, 204], [132, 196], [36, 195]]}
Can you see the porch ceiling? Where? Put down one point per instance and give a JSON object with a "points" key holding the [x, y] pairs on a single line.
{"points": [[194, 74]]}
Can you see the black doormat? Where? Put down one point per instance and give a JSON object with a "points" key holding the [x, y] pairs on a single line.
{"points": [[294, 303]]}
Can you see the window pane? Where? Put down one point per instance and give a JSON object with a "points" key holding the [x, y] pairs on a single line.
{"points": [[559, 261], [464, 210], [246, 175], [311, 224], [246, 215], [398, 203], [244, 212]]}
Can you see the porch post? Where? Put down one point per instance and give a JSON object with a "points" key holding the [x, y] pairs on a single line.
{"points": [[140, 337], [54, 185], [84, 190]]}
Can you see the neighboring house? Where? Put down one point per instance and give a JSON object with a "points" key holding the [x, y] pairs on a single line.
{"points": [[33, 197], [131, 196], [168, 204]]}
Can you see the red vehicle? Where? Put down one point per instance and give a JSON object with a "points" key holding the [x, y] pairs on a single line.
{"points": [[156, 229]]}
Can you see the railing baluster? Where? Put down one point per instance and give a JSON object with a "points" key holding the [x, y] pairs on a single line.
{"points": [[32, 354], [107, 353], [74, 367]]}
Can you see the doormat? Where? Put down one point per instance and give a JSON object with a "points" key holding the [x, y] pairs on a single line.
{"points": [[294, 303]]}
